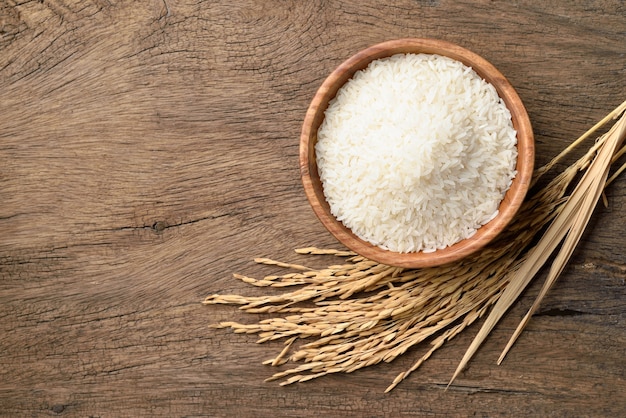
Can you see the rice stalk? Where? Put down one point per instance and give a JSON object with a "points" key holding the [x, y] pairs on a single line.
{"points": [[566, 230], [357, 313]]}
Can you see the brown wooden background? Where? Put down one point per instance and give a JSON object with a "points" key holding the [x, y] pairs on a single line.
{"points": [[148, 150]]}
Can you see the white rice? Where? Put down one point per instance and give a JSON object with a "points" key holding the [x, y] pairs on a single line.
{"points": [[416, 153]]}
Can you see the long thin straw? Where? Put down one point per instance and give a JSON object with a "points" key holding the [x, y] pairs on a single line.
{"points": [[538, 256]]}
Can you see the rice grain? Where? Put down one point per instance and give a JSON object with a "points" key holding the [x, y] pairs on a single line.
{"points": [[416, 152]]}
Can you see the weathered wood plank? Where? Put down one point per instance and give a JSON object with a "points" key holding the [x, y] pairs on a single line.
{"points": [[149, 150]]}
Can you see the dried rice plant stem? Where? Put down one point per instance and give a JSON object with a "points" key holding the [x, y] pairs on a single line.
{"points": [[565, 230], [357, 312], [616, 113]]}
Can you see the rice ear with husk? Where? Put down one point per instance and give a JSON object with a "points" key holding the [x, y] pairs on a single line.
{"points": [[357, 312]]}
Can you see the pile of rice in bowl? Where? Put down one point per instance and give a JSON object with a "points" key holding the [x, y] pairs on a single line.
{"points": [[416, 152]]}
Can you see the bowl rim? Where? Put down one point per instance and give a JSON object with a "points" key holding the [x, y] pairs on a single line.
{"points": [[508, 207]]}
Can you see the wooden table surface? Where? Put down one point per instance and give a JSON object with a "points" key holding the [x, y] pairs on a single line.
{"points": [[148, 150]]}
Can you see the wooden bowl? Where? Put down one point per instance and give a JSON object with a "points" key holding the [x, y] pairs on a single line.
{"points": [[509, 205]]}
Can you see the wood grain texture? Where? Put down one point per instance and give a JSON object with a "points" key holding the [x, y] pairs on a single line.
{"points": [[148, 150]]}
